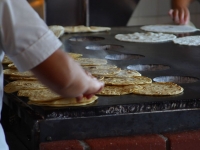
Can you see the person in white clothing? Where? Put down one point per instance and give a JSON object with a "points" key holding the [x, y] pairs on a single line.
{"points": [[28, 42]]}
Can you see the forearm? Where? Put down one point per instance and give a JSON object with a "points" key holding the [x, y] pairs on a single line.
{"points": [[63, 75], [57, 73], [180, 3]]}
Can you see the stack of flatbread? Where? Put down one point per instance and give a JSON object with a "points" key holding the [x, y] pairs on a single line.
{"points": [[122, 81], [39, 94], [6, 60], [26, 85]]}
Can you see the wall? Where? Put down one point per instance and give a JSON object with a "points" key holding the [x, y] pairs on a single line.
{"points": [[156, 12]]}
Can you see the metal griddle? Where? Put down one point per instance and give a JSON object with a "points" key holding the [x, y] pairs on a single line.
{"points": [[119, 115]]}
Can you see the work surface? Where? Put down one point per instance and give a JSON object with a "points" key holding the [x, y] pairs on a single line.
{"points": [[127, 114]]}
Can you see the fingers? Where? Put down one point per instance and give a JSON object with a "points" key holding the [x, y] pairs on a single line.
{"points": [[180, 16], [94, 86]]}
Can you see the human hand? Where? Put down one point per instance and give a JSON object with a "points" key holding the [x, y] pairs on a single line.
{"points": [[66, 77], [91, 91], [180, 15]]}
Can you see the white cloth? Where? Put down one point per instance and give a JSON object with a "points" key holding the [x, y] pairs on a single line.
{"points": [[24, 38]]}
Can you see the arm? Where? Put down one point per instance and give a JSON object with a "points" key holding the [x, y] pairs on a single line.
{"points": [[29, 43], [180, 12], [63, 75]]}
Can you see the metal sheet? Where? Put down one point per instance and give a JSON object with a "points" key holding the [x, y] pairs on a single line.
{"points": [[128, 114]]}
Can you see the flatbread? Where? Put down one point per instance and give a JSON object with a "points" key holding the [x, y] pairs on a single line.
{"points": [[104, 72], [125, 73], [148, 37], [119, 81], [57, 30], [127, 81], [23, 78], [99, 29], [118, 90], [39, 95], [65, 102], [107, 66], [21, 85], [188, 40], [100, 78], [6, 60], [82, 28], [12, 66], [75, 55], [15, 72], [169, 28], [159, 89], [91, 61]]}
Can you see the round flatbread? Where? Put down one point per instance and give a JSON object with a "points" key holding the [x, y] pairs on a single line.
{"points": [[148, 37], [12, 66], [65, 102], [99, 29], [75, 55], [118, 90], [188, 40], [23, 78], [15, 72], [39, 95], [107, 66], [159, 89], [6, 60], [57, 30], [82, 28], [125, 73], [169, 28], [127, 81], [104, 72], [21, 85], [91, 61]]}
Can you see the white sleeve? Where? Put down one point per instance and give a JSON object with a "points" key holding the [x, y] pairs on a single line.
{"points": [[25, 37]]}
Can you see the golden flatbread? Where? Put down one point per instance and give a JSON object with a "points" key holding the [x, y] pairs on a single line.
{"points": [[12, 66], [125, 81], [75, 55], [159, 89], [104, 72], [21, 85], [15, 72], [23, 78], [99, 77], [118, 90], [6, 60], [39, 95], [107, 66], [91, 61], [125, 73], [65, 102]]}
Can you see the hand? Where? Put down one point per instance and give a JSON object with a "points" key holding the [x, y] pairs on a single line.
{"points": [[93, 84], [66, 77], [180, 15]]}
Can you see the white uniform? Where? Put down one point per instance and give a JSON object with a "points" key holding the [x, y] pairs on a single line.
{"points": [[25, 39]]}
